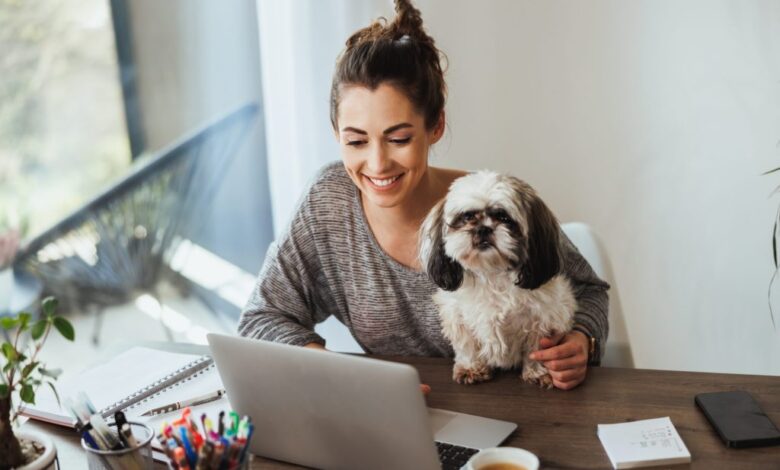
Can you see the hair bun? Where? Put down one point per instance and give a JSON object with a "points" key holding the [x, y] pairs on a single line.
{"points": [[408, 20]]}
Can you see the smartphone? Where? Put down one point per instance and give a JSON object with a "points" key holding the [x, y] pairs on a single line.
{"points": [[738, 419]]}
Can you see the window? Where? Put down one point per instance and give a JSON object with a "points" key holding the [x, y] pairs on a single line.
{"points": [[62, 130]]}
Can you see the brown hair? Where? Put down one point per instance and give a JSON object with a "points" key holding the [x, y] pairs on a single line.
{"points": [[400, 53]]}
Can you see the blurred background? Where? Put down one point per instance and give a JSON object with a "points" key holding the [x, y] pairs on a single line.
{"points": [[651, 121]]}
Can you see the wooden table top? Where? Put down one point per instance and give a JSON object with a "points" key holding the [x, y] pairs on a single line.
{"points": [[560, 426]]}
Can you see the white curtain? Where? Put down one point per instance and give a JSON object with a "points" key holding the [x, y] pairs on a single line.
{"points": [[299, 42]]}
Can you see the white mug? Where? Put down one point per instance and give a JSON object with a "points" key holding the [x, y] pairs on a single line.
{"points": [[495, 455]]}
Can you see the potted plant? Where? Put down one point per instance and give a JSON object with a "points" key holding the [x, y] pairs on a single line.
{"points": [[22, 374]]}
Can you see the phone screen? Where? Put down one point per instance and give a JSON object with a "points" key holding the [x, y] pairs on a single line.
{"points": [[738, 419]]}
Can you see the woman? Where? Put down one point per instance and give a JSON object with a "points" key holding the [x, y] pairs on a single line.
{"points": [[351, 249]]}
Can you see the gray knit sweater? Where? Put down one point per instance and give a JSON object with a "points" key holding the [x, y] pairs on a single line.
{"points": [[329, 263]]}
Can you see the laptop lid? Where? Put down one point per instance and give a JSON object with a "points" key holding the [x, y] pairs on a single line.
{"points": [[324, 409]]}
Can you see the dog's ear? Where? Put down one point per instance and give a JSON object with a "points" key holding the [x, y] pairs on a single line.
{"points": [[443, 270], [543, 257]]}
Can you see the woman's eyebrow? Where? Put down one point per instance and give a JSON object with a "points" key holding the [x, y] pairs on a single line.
{"points": [[389, 130]]}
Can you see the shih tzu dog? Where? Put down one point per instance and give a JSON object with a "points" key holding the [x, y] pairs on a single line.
{"points": [[492, 246]]}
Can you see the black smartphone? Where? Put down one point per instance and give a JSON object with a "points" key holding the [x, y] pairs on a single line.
{"points": [[738, 419]]}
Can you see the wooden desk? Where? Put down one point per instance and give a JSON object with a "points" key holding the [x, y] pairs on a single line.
{"points": [[560, 426]]}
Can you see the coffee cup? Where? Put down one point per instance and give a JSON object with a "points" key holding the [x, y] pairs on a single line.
{"points": [[503, 458]]}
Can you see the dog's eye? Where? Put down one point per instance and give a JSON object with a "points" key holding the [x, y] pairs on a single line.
{"points": [[501, 216], [469, 216]]}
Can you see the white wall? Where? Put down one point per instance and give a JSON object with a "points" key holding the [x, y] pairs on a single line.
{"points": [[651, 121]]}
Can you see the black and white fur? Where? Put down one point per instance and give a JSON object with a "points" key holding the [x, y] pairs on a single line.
{"points": [[492, 246]]}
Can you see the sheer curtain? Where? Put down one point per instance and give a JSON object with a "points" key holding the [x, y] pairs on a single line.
{"points": [[299, 43]]}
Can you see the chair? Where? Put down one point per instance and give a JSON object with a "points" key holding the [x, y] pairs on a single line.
{"points": [[119, 244], [617, 351]]}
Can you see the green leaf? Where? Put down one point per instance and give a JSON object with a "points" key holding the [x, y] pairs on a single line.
{"points": [[3, 390], [38, 329], [24, 320], [8, 323], [9, 352], [54, 389], [8, 366], [27, 394], [53, 373], [64, 327], [49, 305], [29, 368]]}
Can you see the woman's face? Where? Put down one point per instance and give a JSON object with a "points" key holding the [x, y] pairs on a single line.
{"points": [[384, 143]]}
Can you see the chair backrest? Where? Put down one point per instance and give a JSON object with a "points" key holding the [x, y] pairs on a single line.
{"points": [[617, 351]]}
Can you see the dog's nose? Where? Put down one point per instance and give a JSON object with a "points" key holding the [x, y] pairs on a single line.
{"points": [[484, 231]]}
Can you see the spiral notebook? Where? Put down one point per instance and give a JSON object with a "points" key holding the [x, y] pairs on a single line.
{"points": [[135, 381]]}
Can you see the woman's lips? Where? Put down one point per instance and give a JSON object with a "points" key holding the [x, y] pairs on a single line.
{"points": [[384, 184]]}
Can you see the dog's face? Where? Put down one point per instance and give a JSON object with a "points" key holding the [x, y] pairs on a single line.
{"points": [[488, 224]]}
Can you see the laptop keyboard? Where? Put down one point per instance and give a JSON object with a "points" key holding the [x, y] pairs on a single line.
{"points": [[453, 457]]}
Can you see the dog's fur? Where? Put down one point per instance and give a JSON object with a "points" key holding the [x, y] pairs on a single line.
{"points": [[492, 246]]}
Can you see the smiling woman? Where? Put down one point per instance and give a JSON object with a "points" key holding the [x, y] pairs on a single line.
{"points": [[351, 250], [385, 149]]}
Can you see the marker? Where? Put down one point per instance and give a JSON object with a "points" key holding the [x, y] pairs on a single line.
{"points": [[180, 459], [250, 430], [192, 457], [204, 456], [220, 424], [216, 457]]}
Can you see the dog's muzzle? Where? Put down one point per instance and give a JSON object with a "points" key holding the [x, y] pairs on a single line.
{"points": [[483, 238]]}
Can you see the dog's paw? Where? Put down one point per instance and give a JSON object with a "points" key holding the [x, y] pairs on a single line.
{"points": [[537, 374], [471, 375], [543, 381]]}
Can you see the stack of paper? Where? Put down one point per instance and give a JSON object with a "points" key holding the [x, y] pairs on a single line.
{"points": [[644, 443]]}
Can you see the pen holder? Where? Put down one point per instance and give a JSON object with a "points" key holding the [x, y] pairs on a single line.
{"points": [[136, 458]]}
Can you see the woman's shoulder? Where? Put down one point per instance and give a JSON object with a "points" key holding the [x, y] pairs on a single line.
{"points": [[332, 177], [331, 188]]}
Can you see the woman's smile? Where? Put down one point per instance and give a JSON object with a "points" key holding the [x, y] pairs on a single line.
{"points": [[384, 183]]}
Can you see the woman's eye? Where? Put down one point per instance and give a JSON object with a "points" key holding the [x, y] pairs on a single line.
{"points": [[401, 141], [356, 143]]}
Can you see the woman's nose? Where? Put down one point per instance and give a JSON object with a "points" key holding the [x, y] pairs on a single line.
{"points": [[377, 160]]}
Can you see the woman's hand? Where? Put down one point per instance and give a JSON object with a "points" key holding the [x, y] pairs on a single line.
{"points": [[565, 357]]}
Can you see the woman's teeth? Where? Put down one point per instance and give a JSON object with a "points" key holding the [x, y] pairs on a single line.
{"points": [[384, 182]]}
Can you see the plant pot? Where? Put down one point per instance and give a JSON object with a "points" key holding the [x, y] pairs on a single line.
{"points": [[47, 460]]}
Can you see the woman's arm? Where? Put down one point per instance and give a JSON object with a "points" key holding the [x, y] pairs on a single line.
{"points": [[567, 356], [283, 306], [279, 309]]}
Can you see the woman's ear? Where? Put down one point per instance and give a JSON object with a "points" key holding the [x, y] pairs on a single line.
{"points": [[444, 271], [543, 256], [438, 131]]}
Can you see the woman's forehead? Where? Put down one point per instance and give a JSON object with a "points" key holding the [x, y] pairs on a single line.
{"points": [[375, 110]]}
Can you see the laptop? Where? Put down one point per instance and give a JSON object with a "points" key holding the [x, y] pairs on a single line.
{"points": [[335, 411]]}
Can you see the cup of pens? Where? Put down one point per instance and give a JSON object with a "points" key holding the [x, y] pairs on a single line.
{"points": [[132, 449], [220, 446]]}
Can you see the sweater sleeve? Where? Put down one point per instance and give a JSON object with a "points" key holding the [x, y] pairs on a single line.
{"points": [[283, 306], [591, 294]]}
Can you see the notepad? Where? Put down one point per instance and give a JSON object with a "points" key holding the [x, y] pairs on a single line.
{"points": [[135, 381], [645, 443]]}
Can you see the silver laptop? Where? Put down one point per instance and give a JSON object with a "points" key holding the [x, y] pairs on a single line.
{"points": [[335, 411]]}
